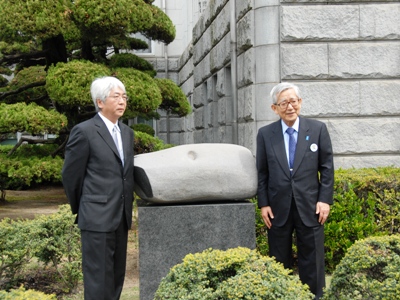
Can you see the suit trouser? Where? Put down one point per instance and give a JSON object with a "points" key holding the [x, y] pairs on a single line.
{"points": [[104, 262], [310, 249]]}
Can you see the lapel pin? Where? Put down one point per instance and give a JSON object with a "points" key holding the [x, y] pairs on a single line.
{"points": [[307, 138], [313, 147]]}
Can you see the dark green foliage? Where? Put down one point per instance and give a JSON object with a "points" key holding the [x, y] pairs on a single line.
{"points": [[369, 270], [55, 34], [162, 28], [143, 128], [261, 231], [144, 94], [30, 118], [100, 19], [350, 219], [174, 99], [69, 83], [380, 185], [29, 165], [25, 77], [53, 241], [238, 273], [129, 60], [145, 143]]}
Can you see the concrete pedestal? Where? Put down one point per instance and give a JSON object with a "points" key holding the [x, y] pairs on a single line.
{"points": [[167, 233]]}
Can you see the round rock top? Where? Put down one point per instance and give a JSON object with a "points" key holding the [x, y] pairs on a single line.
{"points": [[196, 172]]}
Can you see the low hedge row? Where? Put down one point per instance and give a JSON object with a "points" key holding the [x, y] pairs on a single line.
{"points": [[366, 203]]}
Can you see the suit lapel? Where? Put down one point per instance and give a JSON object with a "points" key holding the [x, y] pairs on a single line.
{"points": [[278, 145], [105, 134], [302, 143]]}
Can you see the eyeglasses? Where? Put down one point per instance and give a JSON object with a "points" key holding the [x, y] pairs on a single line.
{"points": [[284, 104], [117, 97]]}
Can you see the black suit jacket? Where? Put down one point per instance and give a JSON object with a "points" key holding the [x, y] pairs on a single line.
{"points": [[313, 172], [99, 188]]}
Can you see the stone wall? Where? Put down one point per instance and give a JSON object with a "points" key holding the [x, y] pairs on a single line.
{"points": [[344, 55]]}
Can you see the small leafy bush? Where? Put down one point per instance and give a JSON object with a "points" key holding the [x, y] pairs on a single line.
{"points": [[31, 118], [129, 60], [29, 165], [145, 143], [238, 273], [52, 241], [369, 270], [22, 294], [29, 75], [143, 128], [173, 98]]}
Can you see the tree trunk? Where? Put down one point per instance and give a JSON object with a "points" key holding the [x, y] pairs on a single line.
{"points": [[87, 51], [56, 50]]}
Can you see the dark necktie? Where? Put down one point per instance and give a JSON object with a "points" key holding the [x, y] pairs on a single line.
{"points": [[292, 147]]}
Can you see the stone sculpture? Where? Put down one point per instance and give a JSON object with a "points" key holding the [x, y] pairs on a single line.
{"points": [[195, 173]]}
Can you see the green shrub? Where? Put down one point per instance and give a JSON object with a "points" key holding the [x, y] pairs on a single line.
{"points": [[143, 128], [129, 60], [173, 98], [369, 270], [15, 248], [350, 219], [29, 165], [49, 240], [59, 245], [238, 273], [381, 185], [22, 294], [145, 143]]}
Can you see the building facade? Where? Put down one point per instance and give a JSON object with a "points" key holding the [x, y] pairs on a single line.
{"points": [[343, 54]]}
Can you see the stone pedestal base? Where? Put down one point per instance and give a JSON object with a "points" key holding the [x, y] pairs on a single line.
{"points": [[167, 233]]}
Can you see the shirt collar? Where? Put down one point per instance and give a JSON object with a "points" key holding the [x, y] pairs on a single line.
{"points": [[109, 124], [295, 125]]}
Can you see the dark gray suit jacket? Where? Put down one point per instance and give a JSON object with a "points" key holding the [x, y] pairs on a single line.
{"points": [[99, 188], [313, 172]]}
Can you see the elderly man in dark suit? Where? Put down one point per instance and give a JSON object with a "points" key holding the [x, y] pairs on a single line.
{"points": [[98, 181], [295, 185]]}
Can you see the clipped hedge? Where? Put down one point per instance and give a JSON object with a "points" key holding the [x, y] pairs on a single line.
{"points": [[145, 143], [369, 270], [29, 165], [22, 294], [129, 60], [366, 203], [30, 118], [143, 128], [174, 99], [238, 273], [30, 75], [48, 240]]}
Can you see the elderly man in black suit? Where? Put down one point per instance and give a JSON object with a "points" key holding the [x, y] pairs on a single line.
{"points": [[295, 185], [98, 181]]}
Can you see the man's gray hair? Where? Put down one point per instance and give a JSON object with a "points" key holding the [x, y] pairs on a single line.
{"points": [[283, 86], [101, 88]]}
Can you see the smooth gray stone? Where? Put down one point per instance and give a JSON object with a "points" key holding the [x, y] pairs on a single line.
{"points": [[167, 233], [196, 172]]}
